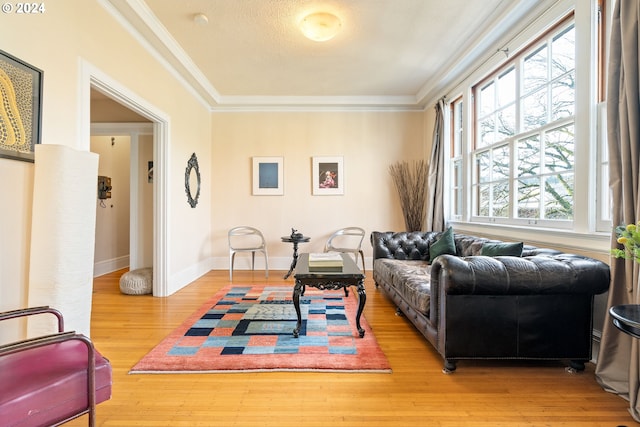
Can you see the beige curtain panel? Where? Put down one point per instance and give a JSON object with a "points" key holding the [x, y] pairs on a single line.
{"points": [[618, 363], [435, 200]]}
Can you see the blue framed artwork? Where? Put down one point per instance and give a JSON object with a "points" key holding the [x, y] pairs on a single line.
{"points": [[268, 175]]}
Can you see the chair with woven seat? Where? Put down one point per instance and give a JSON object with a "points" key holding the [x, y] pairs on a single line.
{"points": [[347, 240], [247, 239]]}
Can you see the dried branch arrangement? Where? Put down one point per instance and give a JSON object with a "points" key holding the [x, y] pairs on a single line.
{"points": [[411, 183]]}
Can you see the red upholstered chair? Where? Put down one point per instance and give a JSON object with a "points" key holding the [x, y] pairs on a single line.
{"points": [[49, 380]]}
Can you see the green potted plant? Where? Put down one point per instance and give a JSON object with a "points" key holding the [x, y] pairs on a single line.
{"points": [[629, 237]]}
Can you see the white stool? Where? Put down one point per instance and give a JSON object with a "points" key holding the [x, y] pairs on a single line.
{"points": [[137, 282]]}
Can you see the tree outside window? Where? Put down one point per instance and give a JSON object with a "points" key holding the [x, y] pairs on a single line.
{"points": [[523, 155]]}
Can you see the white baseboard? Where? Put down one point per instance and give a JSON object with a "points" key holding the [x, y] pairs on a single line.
{"points": [[108, 266], [243, 262], [188, 275]]}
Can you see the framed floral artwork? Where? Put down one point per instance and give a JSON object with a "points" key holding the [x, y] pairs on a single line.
{"points": [[268, 176], [327, 176]]}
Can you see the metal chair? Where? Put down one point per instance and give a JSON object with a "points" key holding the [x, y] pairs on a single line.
{"points": [[246, 239], [51, 379], [347, 240]]}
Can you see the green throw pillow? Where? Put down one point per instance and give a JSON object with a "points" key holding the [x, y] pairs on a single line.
{"points": [[444, 245], [501, 249]]}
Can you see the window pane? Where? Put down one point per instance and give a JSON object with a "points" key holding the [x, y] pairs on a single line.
{"points": [[500, 163], [457, 203], [456, 195], [487, 99], [563, 52], [457, 186], [457, 129], [501, 200], [605, 200], [507, 87], [529, 156], [534, 110], [529, 198], [563, 97], [559, 147], [507, 122], [482, 167], [534, 70], [483, 200], [457, 173], [558, 200], [486, 131]]}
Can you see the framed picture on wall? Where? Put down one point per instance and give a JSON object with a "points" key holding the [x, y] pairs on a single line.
{"points": [[268, 176], [327, 176], [20, 108]]}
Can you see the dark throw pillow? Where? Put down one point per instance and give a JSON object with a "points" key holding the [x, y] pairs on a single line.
{"points": [[501, 249], [444, 245]]}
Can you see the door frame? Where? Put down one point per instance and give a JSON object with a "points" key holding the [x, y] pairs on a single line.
{"points": [[93, 78]]}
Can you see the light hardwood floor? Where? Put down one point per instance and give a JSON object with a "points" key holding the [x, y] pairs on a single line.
{"points": [[479, 394]]}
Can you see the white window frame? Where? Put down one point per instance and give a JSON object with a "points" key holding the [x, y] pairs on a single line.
{"points": [[457, 124], [585, 232], [514, 67]]}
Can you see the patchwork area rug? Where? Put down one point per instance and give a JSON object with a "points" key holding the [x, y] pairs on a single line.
{"points": [[249, 328]]}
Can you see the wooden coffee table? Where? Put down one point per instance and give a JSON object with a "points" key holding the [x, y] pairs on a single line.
{"points": [[350, 275]]}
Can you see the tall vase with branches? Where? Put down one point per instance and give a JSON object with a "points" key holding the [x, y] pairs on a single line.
{"points": [[411, 183]]}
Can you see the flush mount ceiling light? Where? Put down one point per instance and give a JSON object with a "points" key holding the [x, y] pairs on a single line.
{"points": [[320, 26], [200, 19]]}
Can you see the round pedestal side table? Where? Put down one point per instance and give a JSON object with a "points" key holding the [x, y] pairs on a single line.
{"points": [[627, 318], [295, 240]]}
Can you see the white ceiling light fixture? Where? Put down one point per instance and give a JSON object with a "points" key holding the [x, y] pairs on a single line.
{"points": [[320, 26], [200, 19]]}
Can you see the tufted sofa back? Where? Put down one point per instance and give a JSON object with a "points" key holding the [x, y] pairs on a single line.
{"points": [[412, 245], [415, 245]]}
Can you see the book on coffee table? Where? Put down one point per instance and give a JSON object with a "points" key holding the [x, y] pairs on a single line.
{"points": [[325, 261]]}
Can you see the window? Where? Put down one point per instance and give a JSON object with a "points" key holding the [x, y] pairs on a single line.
{"points": [[603, 195], [523, 150], [605, 205], [457, 126]]}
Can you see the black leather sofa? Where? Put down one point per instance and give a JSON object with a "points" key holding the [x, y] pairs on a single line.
{"points": [[469, 306]]}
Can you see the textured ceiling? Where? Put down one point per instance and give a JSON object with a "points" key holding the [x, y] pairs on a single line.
{"points": [[389, 52]]}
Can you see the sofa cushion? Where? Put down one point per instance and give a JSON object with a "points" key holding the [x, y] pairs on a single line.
{"points": [[501, 249], [444, 245], [410, 278]]}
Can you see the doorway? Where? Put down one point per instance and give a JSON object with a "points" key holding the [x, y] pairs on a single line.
{"points": [[156, 125], [124, 214]]}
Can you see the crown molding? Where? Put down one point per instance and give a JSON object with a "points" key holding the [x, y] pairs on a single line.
{"points": [[485, 46], [138, 19], [317, 103]]}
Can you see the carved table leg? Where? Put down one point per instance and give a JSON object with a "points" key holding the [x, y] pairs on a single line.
{"points": [[295, 260], [362, 299], [297, 289]]}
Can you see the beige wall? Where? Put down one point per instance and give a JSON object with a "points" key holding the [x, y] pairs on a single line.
{"points": [[144, 201], [88, 40], [368, 141], [16, 199], [112, 215], [73, 37]]}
